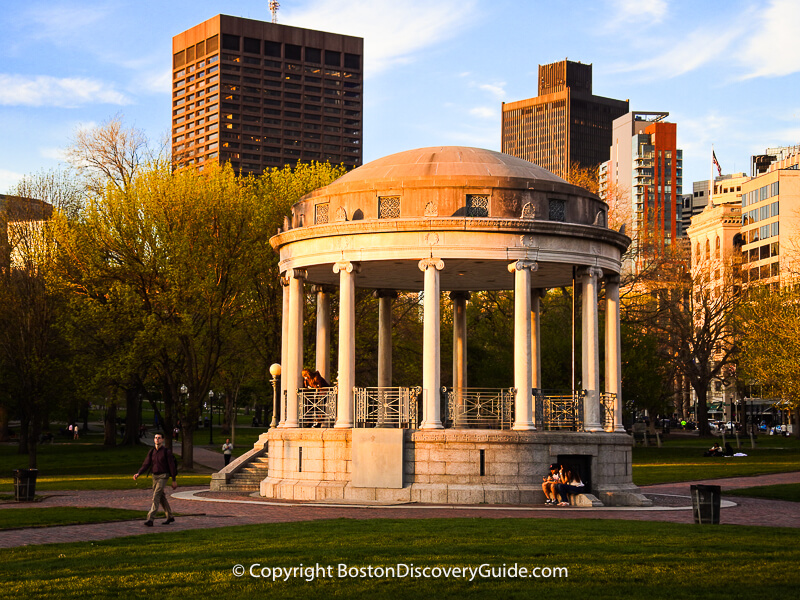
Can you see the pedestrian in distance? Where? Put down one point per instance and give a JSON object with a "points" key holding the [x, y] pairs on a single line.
{"points": [[227, 448], [162, 463]]}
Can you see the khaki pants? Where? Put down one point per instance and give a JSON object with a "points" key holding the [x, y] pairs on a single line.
{"points": [[159, 497]]}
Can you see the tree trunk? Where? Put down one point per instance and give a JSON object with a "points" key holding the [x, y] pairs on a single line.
{"points": [[187, 443], [702, 410], [32, 439], [132, 420], [23, 435], [110, 425], [4, 435], [85, 416], [796, 423]]}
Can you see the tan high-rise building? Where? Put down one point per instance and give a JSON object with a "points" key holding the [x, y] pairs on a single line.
{"points": [[263, 95], [564, 124]]}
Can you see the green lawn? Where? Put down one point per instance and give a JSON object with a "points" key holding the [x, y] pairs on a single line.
{"points": [[85, 466], [603, 558], [18, 518], [789, 492], [682, 459]]}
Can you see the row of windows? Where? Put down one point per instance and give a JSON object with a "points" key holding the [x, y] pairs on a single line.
{"points": [[761, 253], [196, 51], [761, 272], [476, 206], [761, 233], [762, 193], [761, 213], [331, 58]]}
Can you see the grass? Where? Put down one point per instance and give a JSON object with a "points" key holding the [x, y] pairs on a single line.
{"points": [[682, 459], [604, 559], [789, 492], [18, 518], [85, 465]]}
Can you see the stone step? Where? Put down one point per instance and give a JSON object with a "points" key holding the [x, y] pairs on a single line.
{"points": [[229, 487]]}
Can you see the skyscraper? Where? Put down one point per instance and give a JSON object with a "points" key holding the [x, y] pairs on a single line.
{"points": [[565, 123], [263, 95], [645, 172]]}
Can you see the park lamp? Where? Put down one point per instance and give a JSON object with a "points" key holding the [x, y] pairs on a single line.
{"points": [[275, 371]]}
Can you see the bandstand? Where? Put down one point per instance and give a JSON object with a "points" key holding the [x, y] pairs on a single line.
{"points": [[458, 220]]}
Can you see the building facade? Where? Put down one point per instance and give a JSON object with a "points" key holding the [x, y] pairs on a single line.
{"points": [[263, 95], [564, 124], [645, 171]]}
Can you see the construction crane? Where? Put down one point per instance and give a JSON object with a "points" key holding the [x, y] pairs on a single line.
{"points": [[273, 7]]}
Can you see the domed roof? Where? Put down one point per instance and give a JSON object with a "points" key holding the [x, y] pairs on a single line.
{"points": [[450, 162]]}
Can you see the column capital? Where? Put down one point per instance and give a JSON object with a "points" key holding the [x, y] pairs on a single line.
{"points": [[612, 279], [383, 293], [521, 265], [324, 289], [296, 273], [426, 263], [285, 279], [460, 295], [346, 266], [595, 272]]}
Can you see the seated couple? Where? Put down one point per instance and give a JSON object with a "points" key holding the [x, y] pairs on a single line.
{"points": [[560, 483]]}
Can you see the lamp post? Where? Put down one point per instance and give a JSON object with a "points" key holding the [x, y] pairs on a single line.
{"points": [[275, 371], [211, 417]]}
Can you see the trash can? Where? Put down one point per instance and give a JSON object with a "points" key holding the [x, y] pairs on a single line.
{"points": [[25, 484], [705, 504]]}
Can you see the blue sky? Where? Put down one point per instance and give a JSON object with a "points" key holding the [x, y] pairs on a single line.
{"points": [[728, 72]]}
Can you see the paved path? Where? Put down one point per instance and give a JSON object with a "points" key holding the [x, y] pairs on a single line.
{"points": [[242, 509]]}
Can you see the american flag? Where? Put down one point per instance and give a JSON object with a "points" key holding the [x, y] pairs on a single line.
{"points": [[715, 162]]}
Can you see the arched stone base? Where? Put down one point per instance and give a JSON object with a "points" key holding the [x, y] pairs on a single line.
{"points": [[452, 466]]}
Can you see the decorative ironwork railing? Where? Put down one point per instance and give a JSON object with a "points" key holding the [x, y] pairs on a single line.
{"points": [[478, 408], [318, 406], [388, 407], [607, 400], [559, 411]]}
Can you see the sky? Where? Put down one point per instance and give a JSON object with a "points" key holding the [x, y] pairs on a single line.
{"points": [[436, 71]]}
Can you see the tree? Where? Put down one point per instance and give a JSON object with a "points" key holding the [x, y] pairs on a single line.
{"points": [[771, 344]]}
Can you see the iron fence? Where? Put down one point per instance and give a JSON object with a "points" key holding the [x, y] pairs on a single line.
{"points": [[478, 408], [388, 407], [318, 406], [607, 400], [560, 411]]}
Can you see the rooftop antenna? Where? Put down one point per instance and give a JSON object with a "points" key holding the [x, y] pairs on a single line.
{"points": [[274, 6]]}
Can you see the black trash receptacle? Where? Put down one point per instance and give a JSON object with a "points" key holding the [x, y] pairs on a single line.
{"points": [[705, 504], [25, 484]]}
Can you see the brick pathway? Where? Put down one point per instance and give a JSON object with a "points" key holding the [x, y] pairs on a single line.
{"points": [[245, 510]]}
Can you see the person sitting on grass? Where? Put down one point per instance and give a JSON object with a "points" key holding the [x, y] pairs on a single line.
{"points": [[571, 484], [715, 450], [549, 484]]}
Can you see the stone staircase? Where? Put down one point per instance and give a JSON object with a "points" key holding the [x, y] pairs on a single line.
{"points": [[243, 474]]}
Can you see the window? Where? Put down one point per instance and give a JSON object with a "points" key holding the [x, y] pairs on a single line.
{"points": [[292, 52], [252, 45], [230, 42], [352, 61], [557, 210], [321, 213], [389, 207], [333, 58], [717, 249], [313, 55], [477, 205], [272, 49]]}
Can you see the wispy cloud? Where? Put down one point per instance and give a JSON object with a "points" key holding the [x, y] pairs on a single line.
{"points": [[485, 112], [8, 180], [773, 49], [394, 32], [639, 13], [61, 23], [65, 92], [495, 89]]}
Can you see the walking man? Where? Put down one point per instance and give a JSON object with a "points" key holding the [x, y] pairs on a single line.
{"points": [[161, 460], [227, 448]]}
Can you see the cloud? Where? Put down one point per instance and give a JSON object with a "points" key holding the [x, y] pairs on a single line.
{"points": [[61, 24], [485, 112], [394, 32], [157, 82], [639, 13], [773, 49], [8, 180], [65, 92], [495, 89]]}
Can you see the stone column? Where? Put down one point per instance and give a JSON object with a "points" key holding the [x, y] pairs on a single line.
{"points": [[459, 338], [284, 346], [347, 348], [614, 350], [294, 353], [431, 376], [536, 349], [323, 346], [523, 405], [385, 299], [590, 353]]}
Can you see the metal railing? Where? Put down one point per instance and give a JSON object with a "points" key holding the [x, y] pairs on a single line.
{"points": [[318, 406], [607, 400], [560, 411], [478, 408], [397, 407]]}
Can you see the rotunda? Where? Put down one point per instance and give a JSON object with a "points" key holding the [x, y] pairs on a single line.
{"points": [[457, 220]]}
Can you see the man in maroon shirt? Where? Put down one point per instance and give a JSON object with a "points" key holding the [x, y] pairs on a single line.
{"points": [[162, 461]]}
